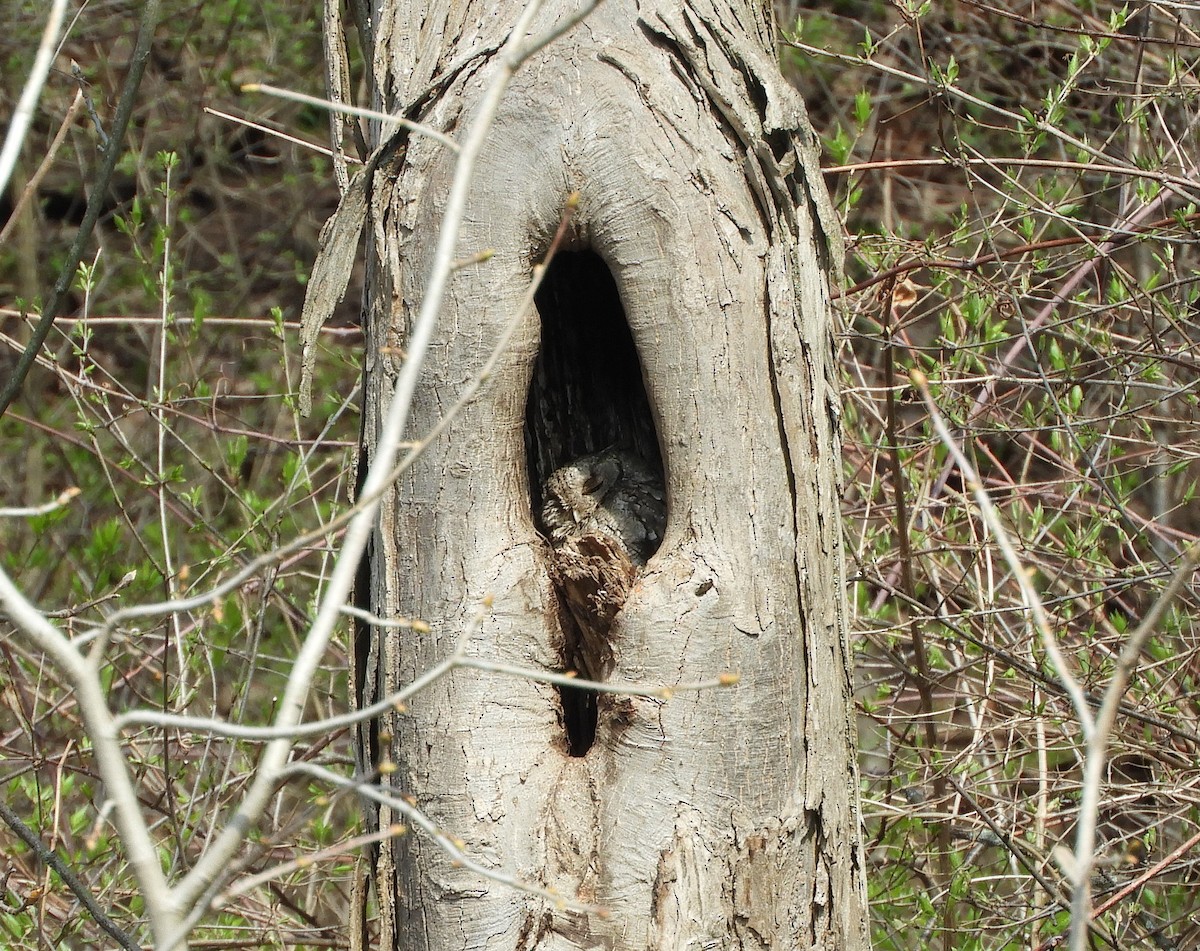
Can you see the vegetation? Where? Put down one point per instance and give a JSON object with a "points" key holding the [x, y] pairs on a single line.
{"points": [[1019, 188], [1019, 191], [170, 405]]}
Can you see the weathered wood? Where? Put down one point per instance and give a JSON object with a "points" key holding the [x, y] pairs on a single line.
{"points": [[721, 819]]}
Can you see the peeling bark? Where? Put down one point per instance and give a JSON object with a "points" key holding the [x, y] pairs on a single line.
{"points": [[720, 819]]}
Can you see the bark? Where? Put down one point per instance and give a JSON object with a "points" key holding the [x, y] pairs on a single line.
{"points": [[721, 819]]}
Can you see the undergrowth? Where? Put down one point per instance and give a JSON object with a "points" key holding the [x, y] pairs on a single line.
{"points": [[1019, 188], [167, 400]]}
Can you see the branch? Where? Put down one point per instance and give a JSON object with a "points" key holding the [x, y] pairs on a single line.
{"points": [[458, 659], [21, 118], [1033, 601], [48, 856], [1096, 750], [452, 847], [30, 191], [1096, 728], [43, 509], [96, 198], [110, 758], [275, 756], [387, 119]]}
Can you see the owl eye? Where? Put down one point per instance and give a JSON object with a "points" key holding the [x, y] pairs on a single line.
{"points": [[604, 476]]}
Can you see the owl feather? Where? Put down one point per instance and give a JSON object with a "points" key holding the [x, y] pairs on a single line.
{"points": [[604, 514]]}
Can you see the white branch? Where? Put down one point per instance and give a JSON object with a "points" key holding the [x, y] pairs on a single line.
{"points": [[1096, 750], [110, 759], [384, 117], [1029, 594], [44, 508], [341, 582], [1096, 728], [23, 115]]}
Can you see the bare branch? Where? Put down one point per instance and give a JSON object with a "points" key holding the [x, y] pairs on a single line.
{"points": [[1033, 601], [93, 706], [291, 707], [23, 114]]}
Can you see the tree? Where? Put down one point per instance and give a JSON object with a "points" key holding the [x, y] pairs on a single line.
{"points": [[178, 736], [685, 317]]}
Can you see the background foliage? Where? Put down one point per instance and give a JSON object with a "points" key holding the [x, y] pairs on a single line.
{"points": [[1018, 186], [188, 451]]}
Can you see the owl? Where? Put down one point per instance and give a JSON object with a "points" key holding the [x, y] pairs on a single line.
{"points": [[604, 514], [612, 494]]}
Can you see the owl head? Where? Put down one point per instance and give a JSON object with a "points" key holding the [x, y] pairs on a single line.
{"points": [[574, 493]]}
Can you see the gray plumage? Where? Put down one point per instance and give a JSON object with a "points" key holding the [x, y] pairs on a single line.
{"points": [[605, 514], [613, 494]]}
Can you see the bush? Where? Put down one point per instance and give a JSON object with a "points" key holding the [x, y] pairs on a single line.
{"points": [[1019, 186]]}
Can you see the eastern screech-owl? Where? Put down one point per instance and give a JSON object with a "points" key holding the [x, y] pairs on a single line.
{"points": [[613, 494], [605, 514]]}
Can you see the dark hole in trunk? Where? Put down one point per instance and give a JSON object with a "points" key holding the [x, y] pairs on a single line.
{"points": [[586, 395]]}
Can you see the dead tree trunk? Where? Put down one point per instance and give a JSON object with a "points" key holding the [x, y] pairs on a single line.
{"points": [[688, 324]]}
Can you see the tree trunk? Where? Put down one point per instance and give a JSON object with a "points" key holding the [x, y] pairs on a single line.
{"points": [[689, 324]]}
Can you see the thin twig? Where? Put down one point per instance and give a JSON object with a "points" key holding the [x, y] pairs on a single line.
{"points": [[276, 134], [92, 701], [457, 659], [23, 114], [78, 888], [97, 197], [341, 849], [1096, 749], [451, 846], [1033, 601], [29, 192], [51, 506], [383, 117]]}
